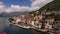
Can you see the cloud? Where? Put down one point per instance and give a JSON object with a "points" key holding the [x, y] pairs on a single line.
{"points": [[35, 5], [18, 8], [1, 7], [40, 3]]}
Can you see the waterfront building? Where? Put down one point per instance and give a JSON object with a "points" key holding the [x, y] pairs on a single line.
{"points": [[48, 12], [49, 22], [40, 24], [18, 20], [33, 23]]}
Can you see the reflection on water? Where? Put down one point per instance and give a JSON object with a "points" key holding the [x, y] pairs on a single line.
{"points": [[3, 23], [14, 29], [17, 30]]}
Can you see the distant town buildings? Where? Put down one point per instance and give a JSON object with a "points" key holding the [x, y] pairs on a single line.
{"points": [[34, 21], [43, 20]]}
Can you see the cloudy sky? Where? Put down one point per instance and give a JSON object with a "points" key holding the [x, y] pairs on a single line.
{"points": [[21, 5]]}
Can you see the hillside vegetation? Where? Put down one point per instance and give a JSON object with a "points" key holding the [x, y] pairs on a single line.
{"points": [[54, 5]]}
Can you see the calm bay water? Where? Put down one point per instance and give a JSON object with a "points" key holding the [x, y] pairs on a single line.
{"points": [[14, 29]]}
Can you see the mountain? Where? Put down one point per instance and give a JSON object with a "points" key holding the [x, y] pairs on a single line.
{"points": [[54, 5], [13, 14]]}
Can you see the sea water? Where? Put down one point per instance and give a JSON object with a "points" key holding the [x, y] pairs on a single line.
{"points": [[14, 29]]}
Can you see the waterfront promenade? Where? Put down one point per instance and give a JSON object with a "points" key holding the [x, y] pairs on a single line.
{"points": [[51, 31]]}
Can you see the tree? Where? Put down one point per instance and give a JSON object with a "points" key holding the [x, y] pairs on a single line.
{"points": [[57, 17], [11, 19], [43, 25]]}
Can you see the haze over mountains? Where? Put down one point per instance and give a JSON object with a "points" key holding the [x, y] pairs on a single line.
{"points": [[13, 14], [54, 5]]}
